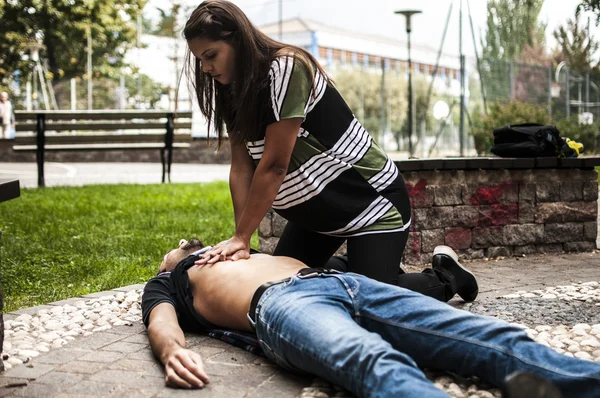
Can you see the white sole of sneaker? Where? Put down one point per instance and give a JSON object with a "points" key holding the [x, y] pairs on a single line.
{"points": [[452, 254], [447, 251]]}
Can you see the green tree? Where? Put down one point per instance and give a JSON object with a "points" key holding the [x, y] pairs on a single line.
{"points": [[151, 90], [577, 49], [168, 23], [575, 46], [362, 91], [512, 27], [106, 93], [530, 80], [61, 26], [423, 114]]}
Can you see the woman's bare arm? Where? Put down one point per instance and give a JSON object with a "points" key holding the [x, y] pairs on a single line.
{"points": [[240, 177], [280, 139]]}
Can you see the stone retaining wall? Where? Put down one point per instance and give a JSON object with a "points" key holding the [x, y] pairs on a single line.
{"points": [[200, 152], [491, 213]]}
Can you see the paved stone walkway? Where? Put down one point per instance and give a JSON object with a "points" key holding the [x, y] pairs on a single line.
{"points": [[119, 362], [77, 174]]}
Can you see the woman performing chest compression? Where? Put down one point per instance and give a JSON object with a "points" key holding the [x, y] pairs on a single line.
{"points": [[297, 147]]}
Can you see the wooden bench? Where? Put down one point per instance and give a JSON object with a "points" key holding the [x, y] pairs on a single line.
{"points": [[41, 131]]}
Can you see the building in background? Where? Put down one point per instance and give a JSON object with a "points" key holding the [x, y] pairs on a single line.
{"points": [[338, 48], [162, 59]]}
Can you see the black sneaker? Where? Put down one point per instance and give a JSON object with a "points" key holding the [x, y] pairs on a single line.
{"points": [[529, 385], [466, 284]]}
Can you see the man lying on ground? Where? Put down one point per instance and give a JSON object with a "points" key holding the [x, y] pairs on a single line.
{"points": [[369, 337]]}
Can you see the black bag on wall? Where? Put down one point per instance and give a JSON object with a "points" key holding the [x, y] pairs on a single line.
{"points": [[527, 140]]}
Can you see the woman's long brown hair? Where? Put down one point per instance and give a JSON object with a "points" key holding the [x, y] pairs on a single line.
{"points": [[240, 105]]}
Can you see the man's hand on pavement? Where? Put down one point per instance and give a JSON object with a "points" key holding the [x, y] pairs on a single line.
{"points": [[184, 369]]}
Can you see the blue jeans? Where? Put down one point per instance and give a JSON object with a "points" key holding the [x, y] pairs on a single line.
{"points": [[372, 338]]}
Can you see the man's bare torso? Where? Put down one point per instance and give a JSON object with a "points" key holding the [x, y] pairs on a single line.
{"points": [[222, 292]]}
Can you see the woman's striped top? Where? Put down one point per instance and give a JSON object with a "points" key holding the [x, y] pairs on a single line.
{"points": [[338, 178]]}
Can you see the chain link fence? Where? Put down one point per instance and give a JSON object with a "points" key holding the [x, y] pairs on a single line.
{"points": [[376, 91], [570, 99], [563, 91], [124, 92]]}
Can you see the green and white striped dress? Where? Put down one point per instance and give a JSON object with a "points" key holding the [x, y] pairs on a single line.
{"points": [[339, 180]]}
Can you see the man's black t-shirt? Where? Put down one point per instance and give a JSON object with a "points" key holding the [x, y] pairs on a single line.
{"points": [[174, 288]]}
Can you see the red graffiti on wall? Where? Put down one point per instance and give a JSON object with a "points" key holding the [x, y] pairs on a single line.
{"points": [[490, 195], [418, 194], [417, 189]]}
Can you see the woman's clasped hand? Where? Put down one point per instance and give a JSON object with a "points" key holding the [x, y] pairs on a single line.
{"points": [[233, 249]]}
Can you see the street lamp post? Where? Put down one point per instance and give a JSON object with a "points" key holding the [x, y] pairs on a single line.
{"points": [[408, 14]]}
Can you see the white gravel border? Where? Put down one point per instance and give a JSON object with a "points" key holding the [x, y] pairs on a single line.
{"points": [[27, 336]]}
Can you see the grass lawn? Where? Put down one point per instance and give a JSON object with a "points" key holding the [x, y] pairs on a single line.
{"points": [[64, 242]]}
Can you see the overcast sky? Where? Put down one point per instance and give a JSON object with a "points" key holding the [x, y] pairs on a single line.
{"points": [[377, 17]]}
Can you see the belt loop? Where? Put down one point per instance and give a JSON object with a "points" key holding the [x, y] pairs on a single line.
{"points": [[307, 273]]}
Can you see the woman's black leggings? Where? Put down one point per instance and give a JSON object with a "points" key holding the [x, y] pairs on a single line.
{"points": [[376, 256]]}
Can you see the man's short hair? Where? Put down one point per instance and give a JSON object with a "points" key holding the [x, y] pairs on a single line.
{"points": [[193, 244]]}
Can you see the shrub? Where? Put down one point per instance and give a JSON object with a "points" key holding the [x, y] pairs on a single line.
{"points": [[501, 114], [583, 133]]}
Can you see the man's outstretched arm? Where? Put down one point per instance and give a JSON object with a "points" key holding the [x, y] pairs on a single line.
{"points": [[183, 368]]}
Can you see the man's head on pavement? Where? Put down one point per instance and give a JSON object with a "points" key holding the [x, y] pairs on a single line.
{"points": [[173, 257], [4, 96]]}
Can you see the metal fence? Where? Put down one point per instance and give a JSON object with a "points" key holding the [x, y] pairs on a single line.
{"points": [[563, 91], [103, 93], [376, 93], [378, 96]]}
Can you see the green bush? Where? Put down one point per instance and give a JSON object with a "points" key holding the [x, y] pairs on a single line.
{"points": [[501, 114], [585, 134], [514, 112]]}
